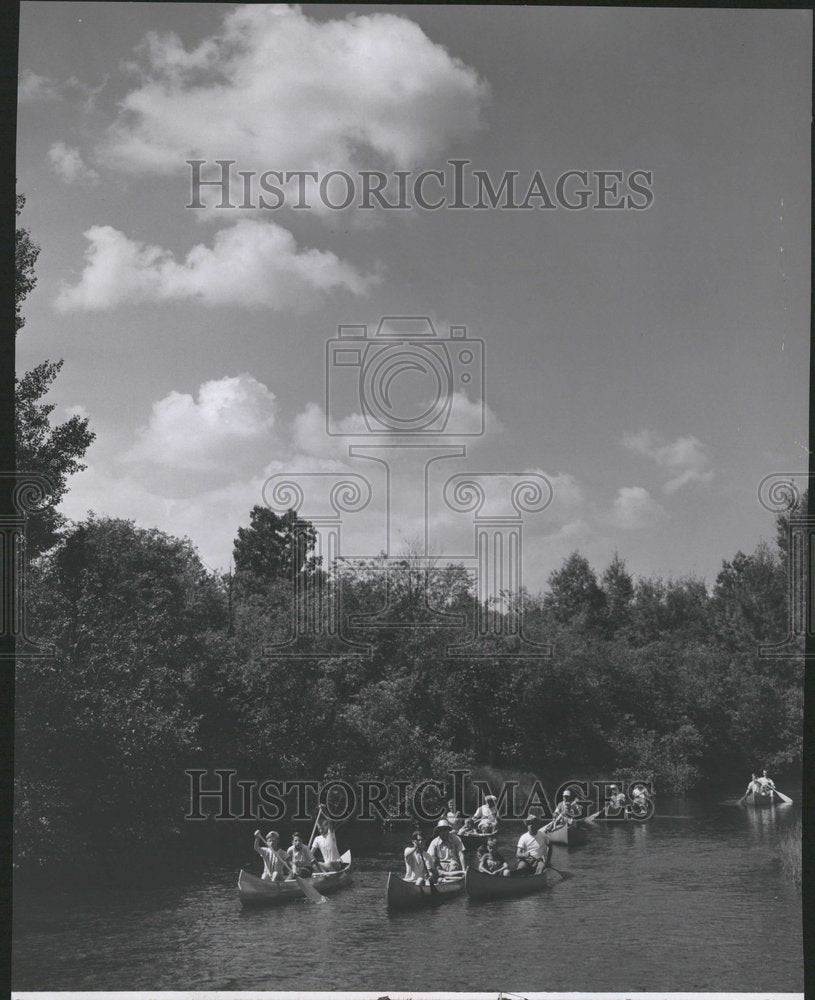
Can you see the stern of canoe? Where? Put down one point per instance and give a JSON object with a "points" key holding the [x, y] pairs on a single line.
{"points": [[402, 895]]}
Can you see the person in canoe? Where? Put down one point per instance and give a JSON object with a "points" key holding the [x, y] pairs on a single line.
{"points": [[300, 857], [486, 815], [454, 816], [446, 848], [533, 848], [766, 783], [468, 826], [273, 868], [640, 800], [419, 865], [490, 861], [326, 844], [752, 785], [565, 812], [616, 800]]}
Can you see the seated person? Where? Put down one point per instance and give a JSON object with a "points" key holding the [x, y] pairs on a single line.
{"points": [[468, 826], [300, 857], [419, 865], [490, 861], [326, 843], [533, 849]]}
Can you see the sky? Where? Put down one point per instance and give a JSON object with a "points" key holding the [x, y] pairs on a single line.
{"points": [[652, 364]]}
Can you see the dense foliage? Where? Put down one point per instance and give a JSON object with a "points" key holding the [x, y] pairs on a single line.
{"points": [[162, 666]]}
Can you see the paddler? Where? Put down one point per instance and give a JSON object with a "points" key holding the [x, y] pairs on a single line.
{"points": [[752, 785], [419, 865], [273, 868], [564, 814], [767, 784], [616, 799], [446, 848], [486, 815], [533, 848], [326, 843]]}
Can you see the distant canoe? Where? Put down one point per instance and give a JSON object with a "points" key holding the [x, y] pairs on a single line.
{"points": [[254, 891], [404, 895], [570, 834], [760, 798], [479, 885]]}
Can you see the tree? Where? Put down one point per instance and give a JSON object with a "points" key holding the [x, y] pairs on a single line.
{"points": [[53, 451], [574, 594], [275, 547]]}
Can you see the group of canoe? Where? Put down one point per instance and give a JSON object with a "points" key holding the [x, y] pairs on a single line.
{"points": [[440, 871]]}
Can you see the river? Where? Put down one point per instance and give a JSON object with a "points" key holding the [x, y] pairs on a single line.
{"points": [[696, 901]]}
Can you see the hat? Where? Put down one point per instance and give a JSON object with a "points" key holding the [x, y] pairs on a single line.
{"points": [[612, 788], [531, 818], [567, 793], [490, 798], [442, 825]]}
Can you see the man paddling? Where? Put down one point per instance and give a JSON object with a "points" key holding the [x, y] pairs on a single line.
{"points": [[533, 848], [326, 844], [446, 849], [564, 812], [752, 785], [273, 870], [419, 865], [765, 782]]}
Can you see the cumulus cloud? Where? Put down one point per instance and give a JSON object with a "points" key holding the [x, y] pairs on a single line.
{"points": [[250, 264], [635, 508], [226, 426], [686, 458], [365, 86], [68, 164]]}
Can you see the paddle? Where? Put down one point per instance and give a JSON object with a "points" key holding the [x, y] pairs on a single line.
{"points": [[593, 817], [308, 890], [784, 798]]}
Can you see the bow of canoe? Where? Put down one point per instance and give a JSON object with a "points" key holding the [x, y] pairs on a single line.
{"points": [[479, 885], [404, 895], [760, 799], [570, 834], [254, 891]]}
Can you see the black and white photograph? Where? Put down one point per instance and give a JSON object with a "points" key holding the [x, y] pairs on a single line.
{"points": [[408, 540]]}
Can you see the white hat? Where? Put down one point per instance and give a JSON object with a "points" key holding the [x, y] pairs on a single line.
{"points": [[442, 825]]}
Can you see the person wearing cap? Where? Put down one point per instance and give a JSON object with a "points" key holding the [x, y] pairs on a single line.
{"points": [[273, 869], [533, 848], [565, 812], [419, 865], [446, 848], [486, 815]]}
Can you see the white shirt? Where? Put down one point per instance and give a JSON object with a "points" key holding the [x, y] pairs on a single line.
{"points": [[485, 812], [449, 851], [418, 864], [328, 846], [534, 844]]}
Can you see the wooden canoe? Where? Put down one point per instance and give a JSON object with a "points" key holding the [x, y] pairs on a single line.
{"points": [[254, 891], [404, 895], [570, 834], [479, 885], [760, 798], [472, 841]]}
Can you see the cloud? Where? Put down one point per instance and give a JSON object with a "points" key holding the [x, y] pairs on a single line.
{"points": [[35, 87], [367, 86], [686, 458], [635, 508], [69, 165], [250, 264], [222, 430]]}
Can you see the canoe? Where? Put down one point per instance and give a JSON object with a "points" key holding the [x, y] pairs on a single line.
{"points": [[478, 885], [569, 834], [472, 841], [404, 895], [760, 798], [254, 891]]}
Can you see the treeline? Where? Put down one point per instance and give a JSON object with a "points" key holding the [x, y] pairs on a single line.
{"points": [[160, 665]]}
